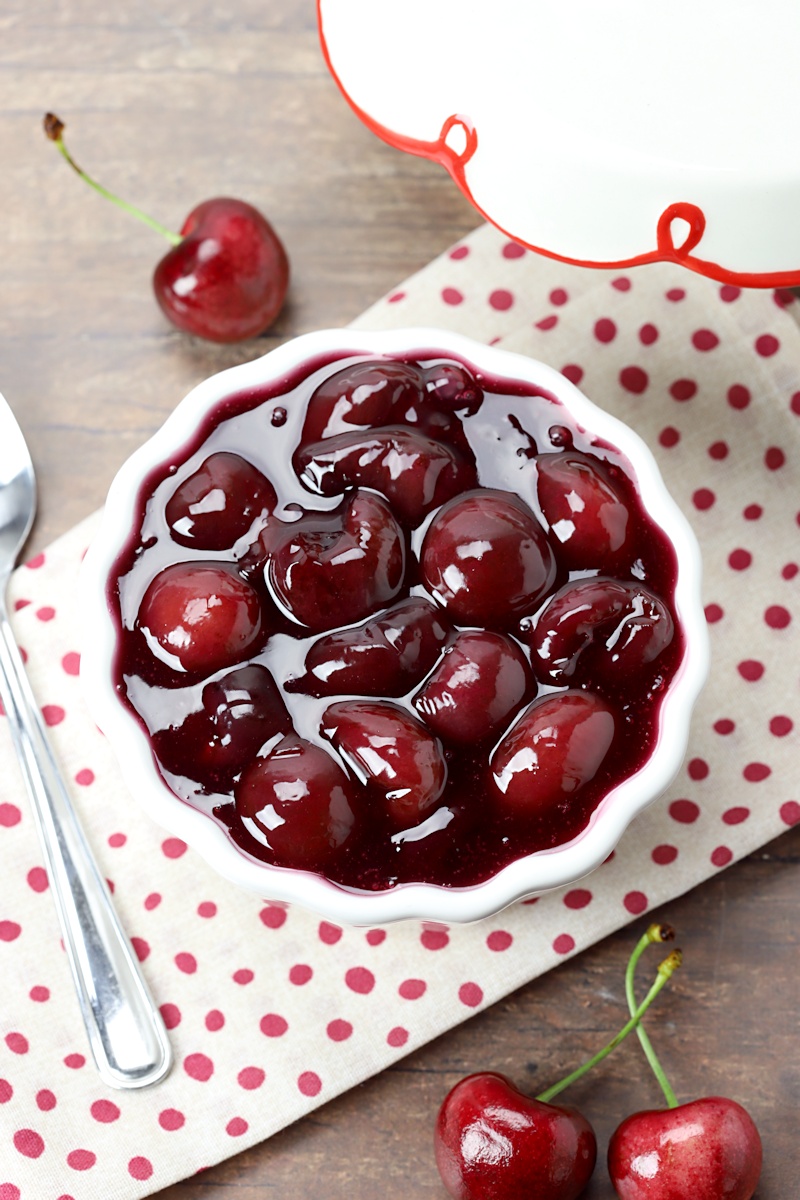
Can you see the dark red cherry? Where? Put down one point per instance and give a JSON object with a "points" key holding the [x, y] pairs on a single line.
{"points": [[201, 616], [709, 1149], [227, 279], [415, 473], [599, 628], [384, 745], [585, 508], [218, 504], [492, 1142], [386, 656], [297, 801], [481, 681], [361, 396], [486, 558], [556, 748], [336, 568], [241, 712], [453, 388]]}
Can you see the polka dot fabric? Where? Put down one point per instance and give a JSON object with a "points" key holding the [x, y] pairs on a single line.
{"points": [[273, 1011]]}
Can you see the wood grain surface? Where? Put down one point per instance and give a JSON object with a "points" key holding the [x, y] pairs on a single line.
{"points": [[171, 102]]}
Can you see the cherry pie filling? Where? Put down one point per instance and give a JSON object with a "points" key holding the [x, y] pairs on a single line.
{"points": [[392, 620]]}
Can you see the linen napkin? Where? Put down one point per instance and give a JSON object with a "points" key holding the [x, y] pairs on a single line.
{"points": [[273, 1011]]}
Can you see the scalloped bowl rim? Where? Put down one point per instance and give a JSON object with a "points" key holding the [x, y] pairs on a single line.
{"points": [[528, 876]]}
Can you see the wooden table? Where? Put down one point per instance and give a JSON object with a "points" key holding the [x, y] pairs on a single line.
{"points": [[171, 103]]}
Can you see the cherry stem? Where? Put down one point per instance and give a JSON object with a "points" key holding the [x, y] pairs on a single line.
{"points": [[665, 971], [54, 130], [655, 933]]}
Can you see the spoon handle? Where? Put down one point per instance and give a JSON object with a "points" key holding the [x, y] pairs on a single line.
{"points": [[127, 1036]]}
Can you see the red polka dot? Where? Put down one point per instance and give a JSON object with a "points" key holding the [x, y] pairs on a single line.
{"points": [[751, 670], [718, 451], [309, 1083], [329, 934], [236, 1127], [360, 980], [273, 1025], [53, 714], [704, 340], [452, 296], [10, 815], [621, 284], [412, 989], [37, 879], [635, 902], [375, 936], [434, 939], [9, 1191], [36, 562], [664, 854], [794, 404], [45, 613], [116, 840], [300, 974], [215, 1020], [783, 297], [173, 847], [724, 726], [6, 1091], [501, 299], [170, 1015], [207, 909], [45, 1100], [675, 295], [251, 1078], [339, 1031], [470, 994], [703, 499], [20, 604], [756, 772], [186, 963], [669, 437], [735, 816], [74, 1062], [459, 252], [396, 297], [780, 726], [753, 512], [774, 458], [152, 901], [397, 1036], [578, 898], [140, 1167], [648, 334], [698, 769], [513, 250], [738, 396], [499, 940], [740, 560], [790, 571], [199, 1067], [29, 1142], [729, 293], [71, 663], [547, 323], [777, 617], [605, 330], [243, 976], [721, 856], [683, 389], [573, 373], [713, 613], [767, 345], [81, 1160], [105, 1111], [564, 944], [634, 380], [9, 931], [558, 297], [17, 1043], [171, 1119], [790, 812], [273, 916], [85, 777], [141, 948], [39, 994], [684, 811]]}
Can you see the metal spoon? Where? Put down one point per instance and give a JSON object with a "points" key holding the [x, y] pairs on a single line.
{"points": [[127, 1036]]}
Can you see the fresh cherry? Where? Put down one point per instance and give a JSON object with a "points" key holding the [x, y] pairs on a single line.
{"points": [[385, 656], [218, 504], [226, 276], [482, 680], [385, 746], [487, 559], [555, 748], [585, 510], [201, 616], [297, 801]]}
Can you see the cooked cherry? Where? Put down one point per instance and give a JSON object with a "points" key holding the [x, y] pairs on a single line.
{"points": [[600, 628], [201, 616], [451, 386], [384, 745], [298, 802], [583, 505], [487, 559], [360, 396], [482, 680], [555, 748], [218, 504], [241, 712], [386, 656], [336, 568], [415, 473]]}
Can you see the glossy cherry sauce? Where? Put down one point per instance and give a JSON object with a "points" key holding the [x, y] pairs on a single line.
{"points": [[504, 447]]}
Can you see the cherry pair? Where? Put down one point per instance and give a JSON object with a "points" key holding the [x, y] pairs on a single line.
{"points": [[493, 1142]]}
